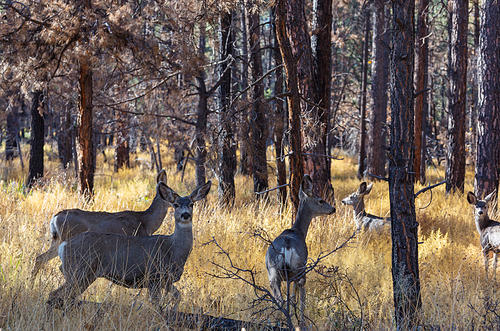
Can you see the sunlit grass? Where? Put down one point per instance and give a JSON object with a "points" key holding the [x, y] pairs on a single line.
{"points": [[455, 292]]}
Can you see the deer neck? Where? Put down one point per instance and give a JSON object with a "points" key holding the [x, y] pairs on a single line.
{"points": [[182, 239], [359, 211], [303, 219], [482, 222], [154, 215]]}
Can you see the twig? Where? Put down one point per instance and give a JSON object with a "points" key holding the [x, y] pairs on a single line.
{"points": [[277, 187], [323, 155], [425, 189], [420, 92], [379, 177]]}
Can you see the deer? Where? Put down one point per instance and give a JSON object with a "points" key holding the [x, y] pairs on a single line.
{"points": [[70, 222], [489, 230], [287, 255], [362, 219], [152, 262]]}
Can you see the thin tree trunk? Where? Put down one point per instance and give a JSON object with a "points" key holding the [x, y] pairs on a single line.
{"points": [[488, 140], [37, 139], [288, 48], [257, 116], [473, 115], [317, 165], [122, 149], [379, 82], [364, 80], [404, 229], [457, 100], [227, 154], [245, 166], [420, 85]]}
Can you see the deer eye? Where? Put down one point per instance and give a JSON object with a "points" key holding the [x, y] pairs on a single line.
{"points": [[191, 204], [176, 205], [321, 202]]}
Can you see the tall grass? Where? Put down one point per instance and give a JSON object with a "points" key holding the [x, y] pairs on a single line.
{"points": [[357, 294]]}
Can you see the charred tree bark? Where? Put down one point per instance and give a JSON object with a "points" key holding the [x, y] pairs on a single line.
{"points": [[227, 152], [457, 100], [257, 115], [84, 143], [279, 125], [379, 80], [364, 80], [317, 165], [245, 163], [65, 139], [420, 85], [11, 138], [291, 50], [488, 140], [404, 228], [37, 140]]}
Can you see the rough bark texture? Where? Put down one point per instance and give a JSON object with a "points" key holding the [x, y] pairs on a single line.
{"points": [[362, 120], [286, 25], [65, 139], [37, 139], [227, 152], [257, 116], [379, 80], [12, 132], [420, 85], [457, 101], [279, 125], [488, 140], [405, 273], [84, 141], [317, 165]]}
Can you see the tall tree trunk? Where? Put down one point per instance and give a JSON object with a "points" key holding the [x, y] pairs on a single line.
{"points": [[279, 124], [201, 117], [318, 165], [474, 101], [84, 141], [257, 117], [245, 166], [405, 273], [37, 139], [420, 85], [364, 80], [488, 140], [457, 96], [11, 140], [291, 50], [227, 153], [379, 81]]}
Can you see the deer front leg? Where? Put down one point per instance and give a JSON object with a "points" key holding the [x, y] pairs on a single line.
{"points": [[495, 257], [302, 292], [43, 258], [485, 256]]}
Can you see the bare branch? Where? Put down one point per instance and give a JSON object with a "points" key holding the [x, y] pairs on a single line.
{"points": [[430, 187], [276, 188]]}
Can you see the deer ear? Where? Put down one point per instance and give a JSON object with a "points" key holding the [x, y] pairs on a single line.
{"points": [[201, 192], [471, 198], [166, 193], [369, 188], [306, 187], [489, 196], [162, 176], [362, 188]]}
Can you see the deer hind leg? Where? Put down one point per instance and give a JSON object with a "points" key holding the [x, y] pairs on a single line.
{"points": [[495, 257], [64, 297], [275, 283], [43, 258]]}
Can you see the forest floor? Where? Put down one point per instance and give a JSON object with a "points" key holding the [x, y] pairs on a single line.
{"points": [[349, 289]]}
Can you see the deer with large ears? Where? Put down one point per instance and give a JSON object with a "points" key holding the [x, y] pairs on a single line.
{"points": [[489, 230], [152, 262], [287, 256], [362, 219], [70, 222]]}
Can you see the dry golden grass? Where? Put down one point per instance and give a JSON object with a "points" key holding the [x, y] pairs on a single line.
{"points": [[358, 295]]}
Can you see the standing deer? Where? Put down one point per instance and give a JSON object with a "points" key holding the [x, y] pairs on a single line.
{"points": [[489, 230], [362, 219], [152, 262], [287, 256], [70, 222]]}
